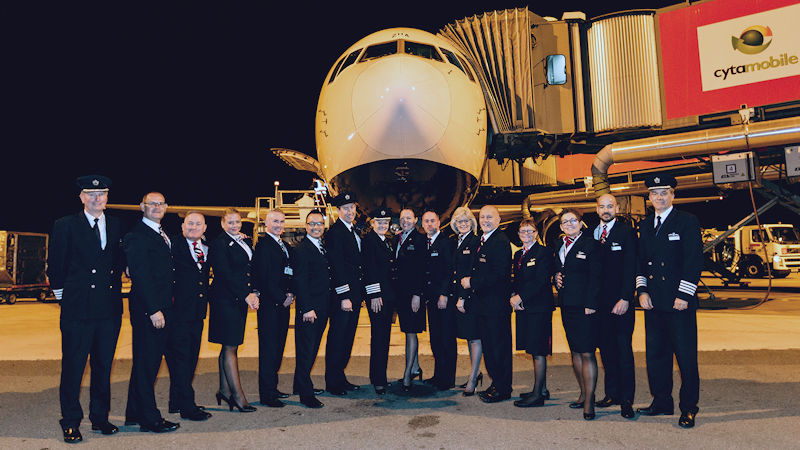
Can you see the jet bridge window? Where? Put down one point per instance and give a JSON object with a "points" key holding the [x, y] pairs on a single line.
{"points": [[351, 58], [379, 51], [422, 50], [556, 69]]}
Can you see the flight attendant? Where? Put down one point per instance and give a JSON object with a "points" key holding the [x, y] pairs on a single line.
{"points": [[378, 270], [532, 300], [232, 292], [578, 282], [670, 259], [84, 264], [410, 256], [464, 225]]}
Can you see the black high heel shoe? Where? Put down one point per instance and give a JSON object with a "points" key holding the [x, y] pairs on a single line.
{"points": [[478, 381], [589, 415], [464, 384], [221, 397], [417, 374], [246, 408]]}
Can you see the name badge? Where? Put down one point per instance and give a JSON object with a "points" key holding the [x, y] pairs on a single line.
{"points": [[580, 255], [531, 263], [435, 254], [483, 260], [615, 247], [288, 271], [674, 237], [411, 246], [465, 252], [230, 244]]}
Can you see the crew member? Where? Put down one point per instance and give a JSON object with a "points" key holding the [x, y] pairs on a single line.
{"points": [[670, 259], [616, 314], [344, 253], [435, 294], [148, 250], [272, 274], [312, 285], [490, 280], [84, 265], [189, 311]]}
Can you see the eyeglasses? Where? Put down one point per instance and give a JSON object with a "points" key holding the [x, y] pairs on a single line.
{"points": [[527, 231], [569, 222], [463, 221], [156, 204], [315, 224]]}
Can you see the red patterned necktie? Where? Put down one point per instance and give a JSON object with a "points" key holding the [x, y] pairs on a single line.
{"points": [[604, 234], [567, 242], [429, 242], [201, 257], [521, 257], [483, 239], [164, 235]]}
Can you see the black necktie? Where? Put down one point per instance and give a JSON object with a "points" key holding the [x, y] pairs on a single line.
{"points": [[96, 229], [658, 224]]}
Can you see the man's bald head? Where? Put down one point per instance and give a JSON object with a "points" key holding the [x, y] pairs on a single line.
{"points": [[607, 207], [489, 218]]}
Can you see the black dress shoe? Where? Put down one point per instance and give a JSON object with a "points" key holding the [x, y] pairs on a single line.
{"points": [[72, 435], [545, 394], [198, 415], [380, 390], [161, 427], [316, 392], [576, 404], [494, 397], [530, 401], [431, 380], [129, 421], [589, 416], [654, 410], [340, 391], [273, 403], [348, 386], [490, 390], [279, 394], [105, 428], [606, 402], [626, 409], [445, 387], [687, 419], [311, 402]]}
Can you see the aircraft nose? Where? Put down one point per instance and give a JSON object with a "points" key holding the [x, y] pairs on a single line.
{"points": [[401, 106]]}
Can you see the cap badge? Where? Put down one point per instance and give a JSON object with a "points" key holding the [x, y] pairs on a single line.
{"points": [[347, 196], [657, 179], [95, 182]]}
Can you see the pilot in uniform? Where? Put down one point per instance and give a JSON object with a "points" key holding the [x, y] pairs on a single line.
{"points": [[84, 265], [670, 259], [344, 253]]}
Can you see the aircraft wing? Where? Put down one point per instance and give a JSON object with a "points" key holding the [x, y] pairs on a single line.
{"points": [[248, 212], [299, 161]]}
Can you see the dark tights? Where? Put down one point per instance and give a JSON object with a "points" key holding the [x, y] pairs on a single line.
{"points": [[229, 384], [539, 374], [584, 365]]}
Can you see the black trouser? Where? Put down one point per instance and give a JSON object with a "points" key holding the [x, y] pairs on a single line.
{"points": [[149, 346], [495, 332], [442, 326], [183, 349], [616, 350], [79, 339], [669, 333], [341, 334], [307, 337], [273, 324], [380, 332]]}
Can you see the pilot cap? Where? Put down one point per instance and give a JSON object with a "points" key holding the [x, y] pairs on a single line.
{"points": [[93, 183], [343, 199], [381, 213], [660, 181]]}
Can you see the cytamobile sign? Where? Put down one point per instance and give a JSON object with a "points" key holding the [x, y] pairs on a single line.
{"points": [[720, 54], [749, 49]]}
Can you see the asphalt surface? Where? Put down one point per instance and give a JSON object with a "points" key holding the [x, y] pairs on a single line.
{"points": [[749, 369]]}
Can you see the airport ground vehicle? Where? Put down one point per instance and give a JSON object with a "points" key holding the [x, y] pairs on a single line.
{"points": [[23, 259], [743, 251]]}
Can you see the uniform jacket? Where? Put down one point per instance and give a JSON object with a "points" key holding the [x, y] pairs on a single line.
{"points": [[669, 264], [346, 262], [410, 263], [438, 267], [463, 260], [531, 278], [89, 275], [618, 256], [151, 270], [312, 278], [378, 266], [582, 271], [232, 269], [269, 271], [491, 276], [191, 283]]}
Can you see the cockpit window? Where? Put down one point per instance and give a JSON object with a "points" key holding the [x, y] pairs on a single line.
{"points": [[379, 51], [335, 70], [452, 58], [466, 69], [351, 58], [423, 50]]}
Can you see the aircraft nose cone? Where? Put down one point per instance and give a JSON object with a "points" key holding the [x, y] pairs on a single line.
{"points": [[401, 106]]}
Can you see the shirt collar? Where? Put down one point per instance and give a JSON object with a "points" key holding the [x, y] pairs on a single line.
{"points": [[433, 238], [154, 225], [277, 238], [382, 236], [664, 214], [91, 218], [191, 242], [487, 235], [348, 225], [315, 241]]}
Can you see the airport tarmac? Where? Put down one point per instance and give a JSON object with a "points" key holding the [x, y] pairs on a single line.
{"points": [[749, 368]]}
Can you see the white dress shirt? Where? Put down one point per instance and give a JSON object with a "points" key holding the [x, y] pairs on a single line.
{"points": [[101, 225]]}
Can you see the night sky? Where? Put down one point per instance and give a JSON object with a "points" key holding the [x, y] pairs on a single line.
{"points": [[182, 98]]}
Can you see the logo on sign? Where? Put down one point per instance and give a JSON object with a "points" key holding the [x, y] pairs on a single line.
{"points": [[753, 40]]}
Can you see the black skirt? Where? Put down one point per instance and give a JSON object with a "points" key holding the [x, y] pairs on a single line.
{"points": [[535, 332], [467, 323], [410, 322], [580, 328], [226, 321]]}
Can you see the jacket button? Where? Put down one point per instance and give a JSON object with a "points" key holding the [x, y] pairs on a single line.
{"points": [[248, 274], [662, 264], [92, 286], [651, 277], [663, 279], [649, 263], [200, 295], [94, 270], [112, 272], [111, 287], [200, 283]]}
